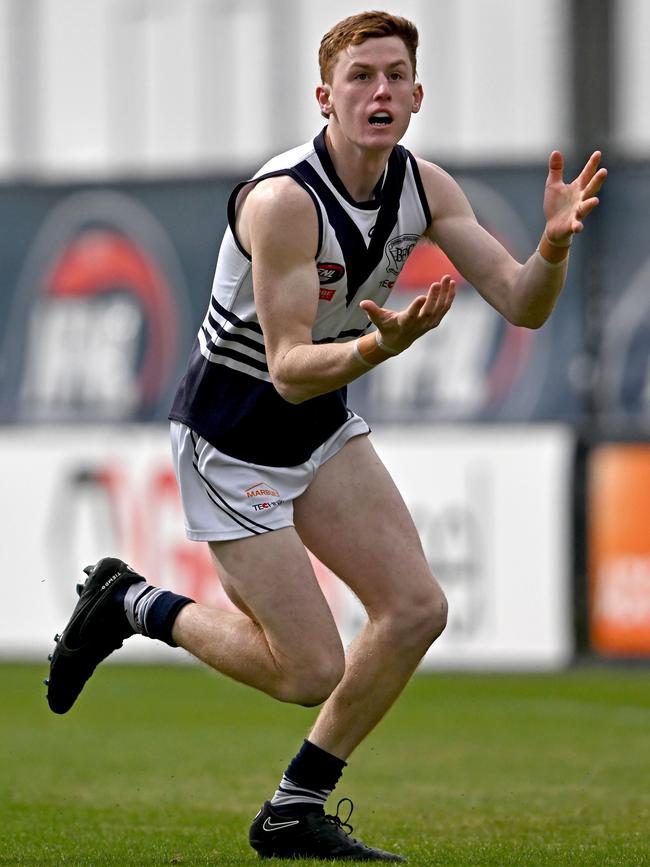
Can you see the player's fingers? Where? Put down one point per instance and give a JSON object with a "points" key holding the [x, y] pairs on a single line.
{"points": [[445, 300], [413, 311], [594, 185], [555, 167], [587, 207], [582, 213], [447, 289], [439, 300], [376, 314], [590, 169], [430, 300], [436, 294]]}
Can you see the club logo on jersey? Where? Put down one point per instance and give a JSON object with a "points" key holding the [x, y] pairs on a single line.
{"points": [[398, 250], [329, 272]]}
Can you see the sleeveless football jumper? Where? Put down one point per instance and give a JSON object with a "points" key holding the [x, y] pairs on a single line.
{"points": [[227, 395]]}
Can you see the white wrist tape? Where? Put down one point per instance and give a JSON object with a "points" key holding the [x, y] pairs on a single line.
{"points": [[359, 356], [381, 343]]}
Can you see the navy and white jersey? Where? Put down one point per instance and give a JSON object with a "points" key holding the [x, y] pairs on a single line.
{"points": [[227, 395]]}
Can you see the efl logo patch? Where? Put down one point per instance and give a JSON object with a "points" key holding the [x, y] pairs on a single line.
{"points": [[326, 294], [329, 272]]}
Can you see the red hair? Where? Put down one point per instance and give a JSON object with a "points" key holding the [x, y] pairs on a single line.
{"points": [[356, 29]]}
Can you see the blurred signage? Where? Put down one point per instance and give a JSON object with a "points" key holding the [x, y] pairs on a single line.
{"points": [[619, 545], [625, 353], [105, 287], [621, 308], [491, 508], [98, 318]]}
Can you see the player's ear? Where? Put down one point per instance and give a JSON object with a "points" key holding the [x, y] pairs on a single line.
{"points": [[324, 97], [418, 96]]}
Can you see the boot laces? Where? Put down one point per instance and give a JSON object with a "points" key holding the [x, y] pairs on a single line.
{"points": [[343, 824]]}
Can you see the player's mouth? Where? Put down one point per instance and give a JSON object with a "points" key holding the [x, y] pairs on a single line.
{"points": [[380, 118]]}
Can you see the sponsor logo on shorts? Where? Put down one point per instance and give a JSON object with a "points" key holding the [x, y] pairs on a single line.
{"points": [[261, 491], [260, 507]]}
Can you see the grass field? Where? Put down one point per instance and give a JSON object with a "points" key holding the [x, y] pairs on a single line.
{"points": [[168, 766]]}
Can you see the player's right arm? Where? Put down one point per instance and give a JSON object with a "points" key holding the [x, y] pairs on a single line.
{"points": [[278, 225]]}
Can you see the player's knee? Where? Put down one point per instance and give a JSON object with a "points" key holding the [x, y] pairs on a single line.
{"points": [[437, 614], [313, 684], [422, 616]]}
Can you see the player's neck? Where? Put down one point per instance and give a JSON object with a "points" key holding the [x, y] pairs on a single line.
{"points": [[359, 169]]}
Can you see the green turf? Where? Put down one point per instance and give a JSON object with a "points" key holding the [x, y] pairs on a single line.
{"points": [[168, 766]]}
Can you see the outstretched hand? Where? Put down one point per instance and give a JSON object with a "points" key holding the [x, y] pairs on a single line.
{"points": [[567, 205], [399, 330]]}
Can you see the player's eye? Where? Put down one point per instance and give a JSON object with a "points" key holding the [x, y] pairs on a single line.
{"points": [[361, 76], [395, 76]]}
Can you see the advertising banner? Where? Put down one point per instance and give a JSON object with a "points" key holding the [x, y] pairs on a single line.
{"points": [[103, 291], [105, 286], [492, 507], [619, 545]]}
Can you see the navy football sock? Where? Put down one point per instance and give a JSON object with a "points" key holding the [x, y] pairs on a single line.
{"points": [[308, 781], [152, 611]]}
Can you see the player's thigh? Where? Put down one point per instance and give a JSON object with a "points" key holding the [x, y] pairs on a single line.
{"points": [[270, 577], [354, 519]]}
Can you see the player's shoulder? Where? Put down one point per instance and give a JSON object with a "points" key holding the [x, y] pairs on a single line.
{"points": [[444, 194], [280, 216], [279, 197]]}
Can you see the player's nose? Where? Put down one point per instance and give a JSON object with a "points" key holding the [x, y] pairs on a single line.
{"points": [[382, 90]]}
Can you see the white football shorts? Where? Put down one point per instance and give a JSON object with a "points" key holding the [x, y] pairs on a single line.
{"points": [[225, 498]]}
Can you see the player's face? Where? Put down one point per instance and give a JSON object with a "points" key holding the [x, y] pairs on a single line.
{"points": [[372, 94]]}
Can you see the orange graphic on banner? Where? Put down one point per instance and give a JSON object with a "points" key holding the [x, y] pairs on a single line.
{"points": [[619, 545]]}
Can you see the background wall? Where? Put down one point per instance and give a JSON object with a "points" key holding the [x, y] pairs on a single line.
{"points": [[116, 86]]}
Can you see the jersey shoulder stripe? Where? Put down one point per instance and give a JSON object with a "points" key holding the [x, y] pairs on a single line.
{"points": [[287, 172]]}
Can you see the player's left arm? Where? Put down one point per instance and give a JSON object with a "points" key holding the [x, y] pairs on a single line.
{"points": [[524, 293]]}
